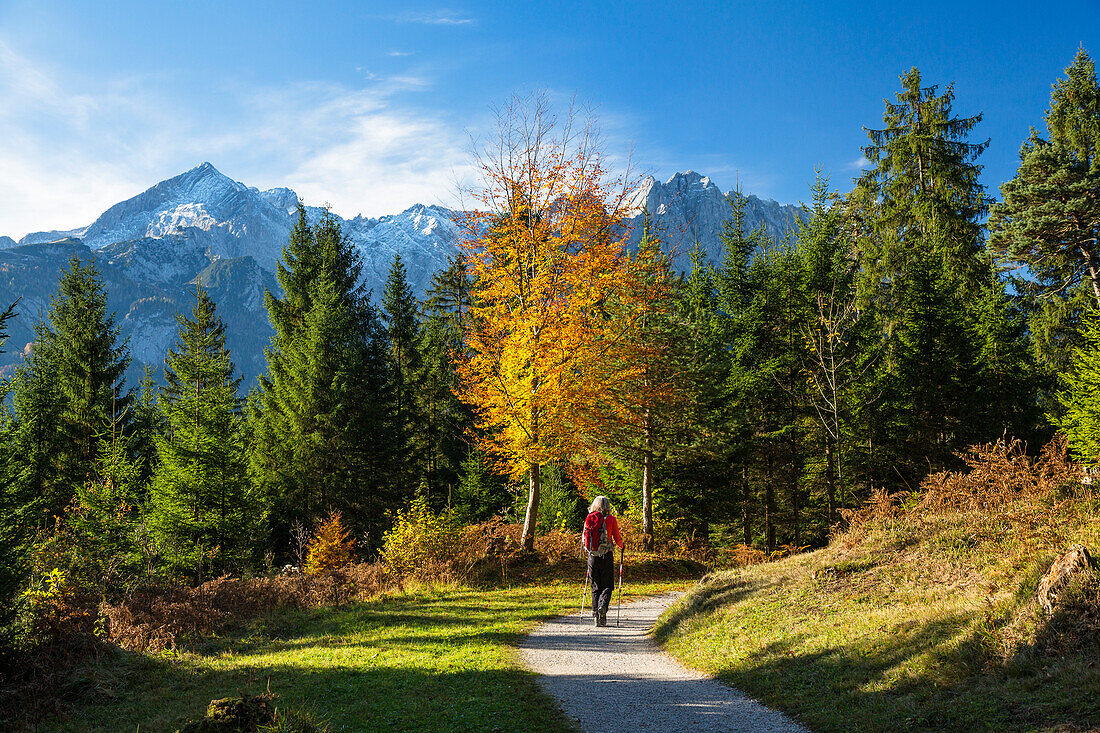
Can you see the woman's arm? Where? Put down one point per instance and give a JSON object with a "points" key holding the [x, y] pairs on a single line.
{"points": [[613, 531]]}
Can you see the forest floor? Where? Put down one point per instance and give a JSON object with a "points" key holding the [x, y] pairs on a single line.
{"points": [[428, 658], [914, 620]]}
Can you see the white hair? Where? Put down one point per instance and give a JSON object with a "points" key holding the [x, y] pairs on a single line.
{"points": [[601, 504]]}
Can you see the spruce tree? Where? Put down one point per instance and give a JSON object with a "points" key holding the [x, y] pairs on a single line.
{"points": [[202, 511], [399, 312], [322, 439], [73, 386], [1079, 394]]}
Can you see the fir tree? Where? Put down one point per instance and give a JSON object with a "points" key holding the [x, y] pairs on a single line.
{"points": [[399, 312], [73, 386], [1079, 396], [202, 512], [321, 433]]}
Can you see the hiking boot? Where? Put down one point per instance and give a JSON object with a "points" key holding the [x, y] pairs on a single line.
{"points": [[601, 620], [596, 620]]}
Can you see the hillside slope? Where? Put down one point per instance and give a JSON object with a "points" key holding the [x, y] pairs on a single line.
{"points": [[922, 615]]}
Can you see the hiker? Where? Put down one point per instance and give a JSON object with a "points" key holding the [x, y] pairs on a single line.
{"points": [[600, 531]]}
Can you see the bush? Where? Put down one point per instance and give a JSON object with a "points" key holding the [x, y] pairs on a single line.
{"points": [[422, 543], [331, 549]]}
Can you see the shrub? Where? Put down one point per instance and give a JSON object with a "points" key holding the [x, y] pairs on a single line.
{"points": [[331, 549], [422, 543]]}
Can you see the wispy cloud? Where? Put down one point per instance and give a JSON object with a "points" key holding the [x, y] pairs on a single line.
{"points": [[400, 53], [68, 155], [436, 17], [859, 163]]}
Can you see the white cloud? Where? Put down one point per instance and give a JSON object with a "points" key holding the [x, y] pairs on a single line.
{"points": [[437, 17], [859, 163], [66, 155], [400, 53]]}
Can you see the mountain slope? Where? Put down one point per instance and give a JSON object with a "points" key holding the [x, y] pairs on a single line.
{"points": [[204, 225]]}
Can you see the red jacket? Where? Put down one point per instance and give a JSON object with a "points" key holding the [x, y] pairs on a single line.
{"points": [[613, 530]]}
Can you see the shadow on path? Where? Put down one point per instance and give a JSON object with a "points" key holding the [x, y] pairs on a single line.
{"points": [[617, 679]]}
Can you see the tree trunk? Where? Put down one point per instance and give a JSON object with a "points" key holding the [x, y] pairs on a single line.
{"points": [[647, 499], [830, 481], [647, 486], [530, 519], [746, 504], [769, 506]]}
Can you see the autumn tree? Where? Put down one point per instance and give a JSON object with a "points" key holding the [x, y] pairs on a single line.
{"points": [[545, 249]]}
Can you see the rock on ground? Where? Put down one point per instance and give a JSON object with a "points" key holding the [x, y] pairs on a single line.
{"points": [[617, 679], [1064, 569]]}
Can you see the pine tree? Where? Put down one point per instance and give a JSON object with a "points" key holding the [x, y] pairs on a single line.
{"points": [[1079, 396], [202, 510], [73, 386], [323, 439], [399, 312]]}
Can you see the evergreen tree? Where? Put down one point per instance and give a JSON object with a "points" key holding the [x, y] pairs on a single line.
{"points": [[322, 433], [921, 189], [1049, 220], [1079, 396], [933, 372], [202, 511], [147, 422], [72, 386], [836, 333], [481, 493], [399, 312], [12, 504]]}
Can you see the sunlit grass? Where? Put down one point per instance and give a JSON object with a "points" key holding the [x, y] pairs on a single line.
{"points": [[924, 624], [440, 659]]}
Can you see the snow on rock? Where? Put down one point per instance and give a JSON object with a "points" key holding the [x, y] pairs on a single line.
{"points": [[689, 207], [202, 225]]}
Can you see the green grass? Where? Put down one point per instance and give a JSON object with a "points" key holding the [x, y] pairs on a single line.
{"points": [[439, 659], [922, 624]]}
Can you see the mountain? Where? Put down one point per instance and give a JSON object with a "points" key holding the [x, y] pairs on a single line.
{"points": [[202, 226], [689, 207]]}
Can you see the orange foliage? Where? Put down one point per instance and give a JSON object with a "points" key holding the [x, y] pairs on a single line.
{"points": [[553, 345], [332, 548]]}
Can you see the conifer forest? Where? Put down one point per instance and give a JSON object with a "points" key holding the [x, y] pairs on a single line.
{"points": [[753, 401]]}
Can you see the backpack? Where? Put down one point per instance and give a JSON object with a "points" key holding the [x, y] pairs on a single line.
{"points": [[594, 538]]}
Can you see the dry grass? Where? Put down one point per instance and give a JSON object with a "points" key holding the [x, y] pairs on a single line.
{"points": [[922, 614], [156, 617]]}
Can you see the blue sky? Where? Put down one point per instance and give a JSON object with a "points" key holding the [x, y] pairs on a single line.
{"points": [[370, 106]]}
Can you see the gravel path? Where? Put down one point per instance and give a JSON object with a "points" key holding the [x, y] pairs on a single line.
{"points": [[617, 679]]}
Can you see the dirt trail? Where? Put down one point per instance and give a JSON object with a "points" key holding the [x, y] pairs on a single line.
{"points": [[617, 679]]}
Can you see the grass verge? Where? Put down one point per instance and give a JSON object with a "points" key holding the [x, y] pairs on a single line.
{"points": [[920, 618], [440, 659]]}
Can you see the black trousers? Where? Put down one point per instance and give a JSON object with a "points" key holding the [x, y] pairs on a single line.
{"points": [[602, 570]]}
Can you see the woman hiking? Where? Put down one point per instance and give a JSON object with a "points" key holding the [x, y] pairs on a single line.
{"points": [[600, 531]]}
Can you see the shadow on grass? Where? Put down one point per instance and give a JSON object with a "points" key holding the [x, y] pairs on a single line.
{"points": [[702, 601], [162, 697], [859, 685], [402, 664]]}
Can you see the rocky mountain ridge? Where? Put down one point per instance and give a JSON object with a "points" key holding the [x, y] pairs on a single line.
{"points": [[202, 226]]}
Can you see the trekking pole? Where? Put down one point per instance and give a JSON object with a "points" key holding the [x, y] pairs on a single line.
{"points": [[584, 593], [619, 609]]}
